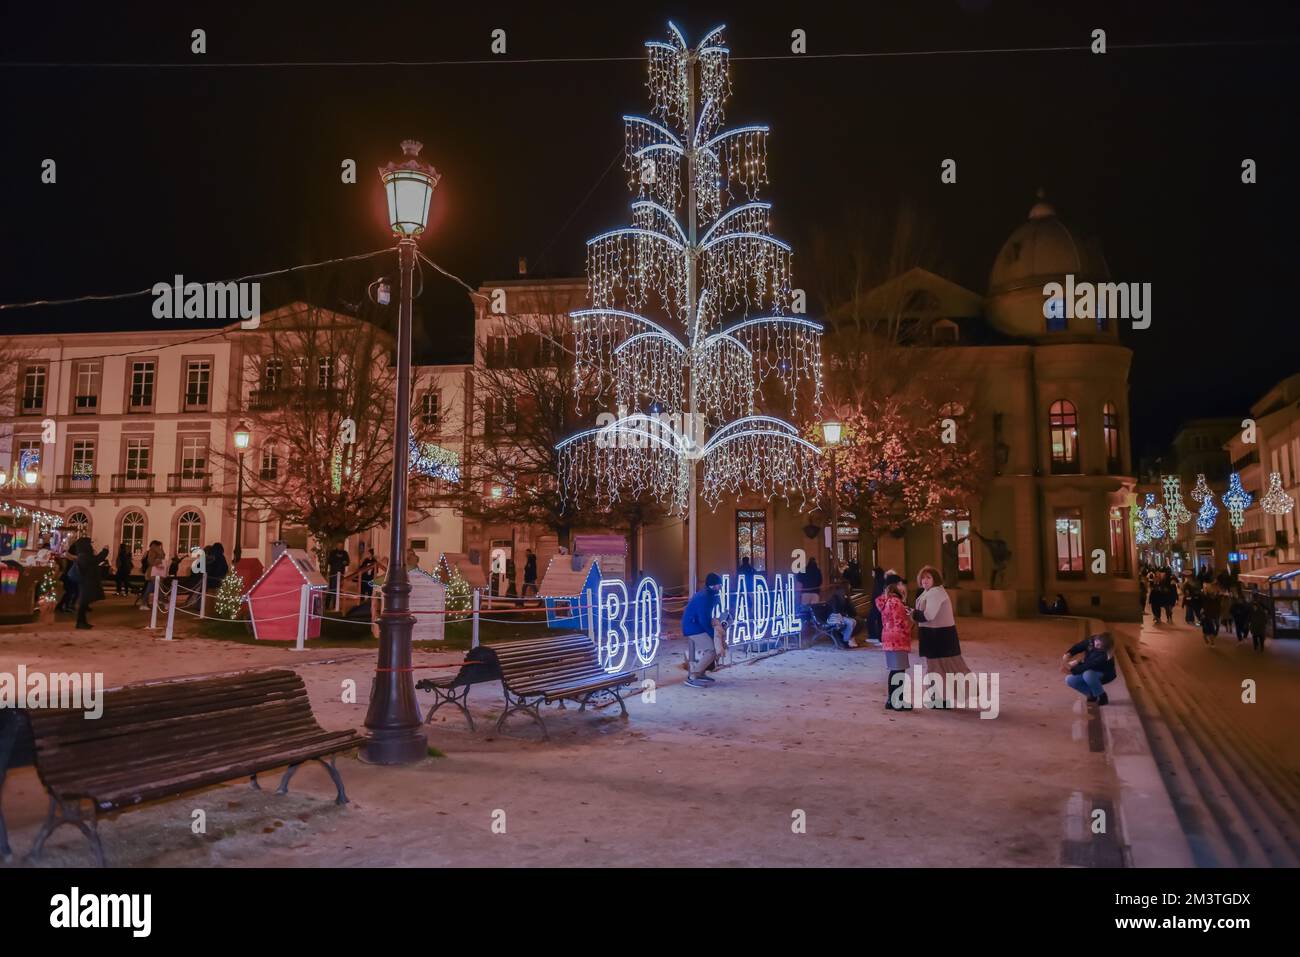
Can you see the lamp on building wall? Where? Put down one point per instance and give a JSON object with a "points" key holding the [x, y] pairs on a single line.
{"points": [[30, 475], [396, 735], [242, 439]]}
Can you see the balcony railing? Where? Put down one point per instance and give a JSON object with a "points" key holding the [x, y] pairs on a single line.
{"points": [[133, 482], [189, 482], [85, 404], [78, 484], [262, 400]]}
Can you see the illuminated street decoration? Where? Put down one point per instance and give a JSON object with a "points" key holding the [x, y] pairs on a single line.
{"points": [[1237, 500], [1176, 512], [760, 611], [1153, 522], [700, 255], [1275, 501], [433, 461], [1201, 490], [1209, 512], [615, 636]]}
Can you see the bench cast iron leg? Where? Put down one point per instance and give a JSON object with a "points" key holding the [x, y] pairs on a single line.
{"points": [[68, 812], [521, 705], [252, 782], [460, 698], [333, 773]]}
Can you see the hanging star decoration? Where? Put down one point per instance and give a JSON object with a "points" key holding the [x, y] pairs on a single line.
{"points": [[1275, 501], [699, 256], [1237, 499]]}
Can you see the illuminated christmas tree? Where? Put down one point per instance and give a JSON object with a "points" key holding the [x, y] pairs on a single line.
{"points": [[688, 383], [230, 596]]}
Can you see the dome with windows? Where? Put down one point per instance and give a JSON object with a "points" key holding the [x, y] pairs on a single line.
{"points": [[1043, 250]]}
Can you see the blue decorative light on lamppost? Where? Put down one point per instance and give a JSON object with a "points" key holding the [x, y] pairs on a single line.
{"points": [[396, 735]]}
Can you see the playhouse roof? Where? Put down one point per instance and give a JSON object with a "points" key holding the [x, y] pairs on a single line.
{"points": [[298, 560], [562, 580]]}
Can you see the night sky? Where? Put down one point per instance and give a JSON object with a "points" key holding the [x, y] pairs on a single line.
{"points": [[216, 172]]}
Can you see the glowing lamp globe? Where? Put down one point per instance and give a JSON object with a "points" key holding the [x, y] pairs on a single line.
{"points": [[2, 476], [30, 476], [242, 436], [408, 186], [831, 432]]}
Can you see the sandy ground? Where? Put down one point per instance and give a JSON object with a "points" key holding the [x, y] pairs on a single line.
{"points": [[704, 778]]}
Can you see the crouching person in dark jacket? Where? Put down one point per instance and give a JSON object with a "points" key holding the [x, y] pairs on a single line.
{"points": [[1089, 665]]}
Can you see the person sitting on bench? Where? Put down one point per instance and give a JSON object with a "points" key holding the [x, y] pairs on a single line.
{"points": [[840, 618], [698, 623]]}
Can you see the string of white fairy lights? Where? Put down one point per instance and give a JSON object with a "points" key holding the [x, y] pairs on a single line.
{"points": [[701, 362]]}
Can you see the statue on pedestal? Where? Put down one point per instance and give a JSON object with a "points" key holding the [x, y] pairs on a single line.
{"points": [[998, 551]]}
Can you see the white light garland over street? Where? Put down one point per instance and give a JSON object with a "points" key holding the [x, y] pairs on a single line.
{"points": [[692, 311]]}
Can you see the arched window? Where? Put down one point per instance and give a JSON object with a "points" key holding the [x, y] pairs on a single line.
{"points": [[189, 532], [1110, 429], [76, 525], [1063, 421], [132, 531]]}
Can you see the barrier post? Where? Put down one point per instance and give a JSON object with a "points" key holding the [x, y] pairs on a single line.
{"points": [[203, 593], [338, 591], [171, 609], [304, 603], [591, 628], [153, 612], [473, 641]]}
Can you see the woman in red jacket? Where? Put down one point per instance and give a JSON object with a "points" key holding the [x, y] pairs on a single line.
{"points": [[896, 636]]}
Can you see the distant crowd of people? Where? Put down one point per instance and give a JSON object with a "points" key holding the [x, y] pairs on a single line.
{"points": [[1214, 601]]}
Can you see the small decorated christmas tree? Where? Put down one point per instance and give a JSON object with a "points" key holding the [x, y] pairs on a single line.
{"points": [[230, 596]]}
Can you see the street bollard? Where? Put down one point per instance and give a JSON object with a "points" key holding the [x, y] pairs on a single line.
{"points": [[304, 603], [153, 608], [473, 643]]}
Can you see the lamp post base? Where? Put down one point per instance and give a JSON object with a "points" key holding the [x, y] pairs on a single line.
{"points": [[395, 746]]}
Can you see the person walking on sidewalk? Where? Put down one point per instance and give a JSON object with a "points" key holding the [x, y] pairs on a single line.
{"points": [[1089, 665], [699, 621], [1211, 608], [1258, 622], [937, 634], [122, 575], [1239, 611], [1191, 600], [89, 587], [895, 639]]}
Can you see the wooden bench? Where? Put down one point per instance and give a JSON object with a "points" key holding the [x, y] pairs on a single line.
{"points": [[159, 739], [547, 670], [862, 606]]}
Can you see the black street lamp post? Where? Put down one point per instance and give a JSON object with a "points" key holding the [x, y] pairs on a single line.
{"points": [[396, 735], [242, 439]]}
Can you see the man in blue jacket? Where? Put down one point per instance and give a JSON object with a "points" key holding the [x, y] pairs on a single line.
{"points": [[1095, 668], [698, 623]]}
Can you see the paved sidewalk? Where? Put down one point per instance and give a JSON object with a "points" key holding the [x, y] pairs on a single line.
{"points": [[698, 777]]}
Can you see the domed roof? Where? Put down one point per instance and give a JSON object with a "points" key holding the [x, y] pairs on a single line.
{"points": [[1041, 250]]}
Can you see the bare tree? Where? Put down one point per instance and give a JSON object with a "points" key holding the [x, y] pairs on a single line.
{"points": [[322, 420]]}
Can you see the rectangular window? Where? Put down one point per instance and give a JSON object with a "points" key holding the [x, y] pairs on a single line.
{"points": [[751, 538], [325, 372], [957, 528], [502, 414], [83, 457], [142, 384], [1069, 543], [1118, 541], [137, 458], [198, 383], [270, 470], [429, 410], [1064, 425], [194, 456], [272, 374], [1110, 428], [33, 390], [86, 398]]}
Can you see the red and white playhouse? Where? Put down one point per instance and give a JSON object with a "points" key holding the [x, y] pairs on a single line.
{"points": [[275, 600]]}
